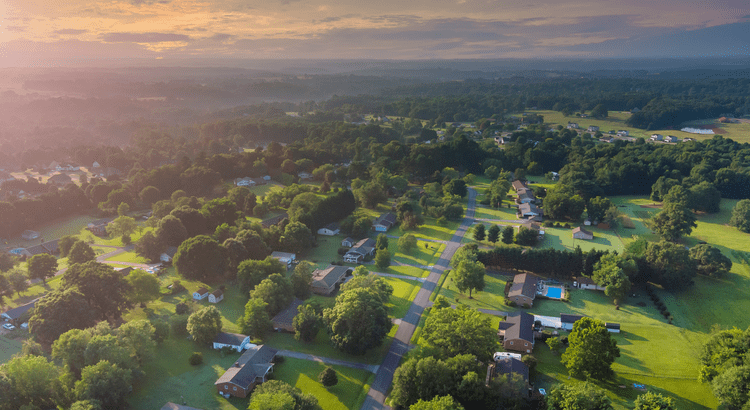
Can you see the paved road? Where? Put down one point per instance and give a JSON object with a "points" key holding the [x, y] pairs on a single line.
{"points": [[419, 238], [372, 368], [400, 345]]}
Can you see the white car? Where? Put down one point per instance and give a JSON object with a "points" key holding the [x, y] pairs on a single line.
{"points": [[8, 326], [542, 392]]}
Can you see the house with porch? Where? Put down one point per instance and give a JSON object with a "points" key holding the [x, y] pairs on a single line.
{"points": [[361, 249]]}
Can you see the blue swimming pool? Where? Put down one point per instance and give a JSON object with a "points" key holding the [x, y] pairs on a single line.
{"points": [[554, 292]]}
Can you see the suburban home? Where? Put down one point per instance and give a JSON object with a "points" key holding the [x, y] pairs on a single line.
{"points": [[572, 126], [249, 370], [330, 229], [612, 327], [60, 179], [324, 281], [567, 321], [168, 255], [518, 185], [517, 332], [304, 175], [534, 226], [216, 296], [285, 258], [671, 138], [30, 235], [348, 242], [15, 314], [656, 137], [247, 181], [506, 367], [274, 221], [235, 341], [365, 247], [99, 227], [266, 177], [583, 282], [529, 210], [606, 139], [580, 233], [384, 222], [284, 320], [200, 294], [593, 128], [623, 133], [525, 196], [95, 165], [524, 288], [51, 247]]}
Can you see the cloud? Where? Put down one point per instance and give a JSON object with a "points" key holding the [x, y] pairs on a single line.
{"points": [[17, 29], [143, 37], [221, 37], [70, 31], [148, 2]]}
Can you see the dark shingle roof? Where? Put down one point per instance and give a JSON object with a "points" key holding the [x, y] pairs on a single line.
{"points": [[504, 326], [202, 291], [511, 365], [333, 226], [523, 327], [524, 284], [19, 311], [171, 251], [612, 325], [329, 276], [286, 316], [387, 219], [217, 293], [252, 364], [569, 318], [229, 338]]}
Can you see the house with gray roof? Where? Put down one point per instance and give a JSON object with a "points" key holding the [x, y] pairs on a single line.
{"points": [[360, 250], [517, 332], [18, 313], [235, 341], [324, 281], [251, 369], [524, 289], [384, 222], [284, 320]]}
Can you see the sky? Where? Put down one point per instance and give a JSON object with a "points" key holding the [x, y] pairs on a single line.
{"points": [[56, 32]]}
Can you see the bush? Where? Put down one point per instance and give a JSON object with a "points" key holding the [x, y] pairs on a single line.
{"points": [[328, 377], [126, 240], [177, 287], [278, 359], [564, 340], [196, 358], [511, 303], [343, 250], [181, 308]]}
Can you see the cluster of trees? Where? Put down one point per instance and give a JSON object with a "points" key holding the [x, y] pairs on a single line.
{"points": [[725, 366], [547, 262]]}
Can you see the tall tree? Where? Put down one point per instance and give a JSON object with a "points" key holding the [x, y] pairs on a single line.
{"points": [[479, 232], [591, 350], [578, 397], [255, 322], [654, 401], [103, 288], [42, 266], [307, 323], [358, 321], [383, 258], [30, 382], [204, 324], [171, 231], [469, 276], [200, 258], [741, 215], [276, 291], [149, 247], [508, 235], [105, 382], [81, 252], [144, 287], [493, 234], [59, 311], [460, 331], [609, 274], [302, 280], [710, 261]]}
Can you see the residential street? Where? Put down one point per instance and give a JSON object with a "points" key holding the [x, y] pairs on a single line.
{"points": [[400, 345]]}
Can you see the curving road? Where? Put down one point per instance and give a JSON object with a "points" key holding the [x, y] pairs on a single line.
{"points": [[400, 345]]}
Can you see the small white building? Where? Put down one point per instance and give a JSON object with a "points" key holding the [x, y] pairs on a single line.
{"points": [[200, 294], [216, 296], [235, 341], [330, 229], [583, 282], [168, 255], [656, 137], [285, 258], [612, 327], [593, 128]]}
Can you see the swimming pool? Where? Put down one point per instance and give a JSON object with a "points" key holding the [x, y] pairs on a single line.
{"points": [[554, 292]]}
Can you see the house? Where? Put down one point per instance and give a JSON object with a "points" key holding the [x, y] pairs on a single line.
{"points": [[592, 128], [51, 248], [623, 133], [99, 227], [168, 255], [529, 210], [284, 320], [235, 341], [384, 222], [525, 196], [506, 367], [304, 175], [247, 181], [572, 126], [324, 281], [612, 327], [524, 288], [266, 177], [274, 221], [60, 179], [517, 332], [216, 296], [30, 235], [348, 242], [567, 321], [200, 294], [606, 139], [330, 229], [671, 138], [580, 233], [285, 258], [361, 249], [18, 313], [95, 165], [518, 185], [656, 137], [583, 282], [535, 226], [249, 370]]}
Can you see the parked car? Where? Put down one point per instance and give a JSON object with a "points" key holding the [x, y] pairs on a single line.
{"points": [[8, 326], [542, 392]]}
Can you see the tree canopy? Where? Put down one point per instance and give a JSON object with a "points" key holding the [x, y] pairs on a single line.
{"points": [[200, 258], [591, 350], [358, 321], [459, 331]]}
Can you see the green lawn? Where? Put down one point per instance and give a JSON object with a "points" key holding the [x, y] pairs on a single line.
{"points": [[9, 347], [425, 254], [404, 291], [54, 230], [322, 346], [130, 257], [491, 298], [504, 213], [562, 239]]}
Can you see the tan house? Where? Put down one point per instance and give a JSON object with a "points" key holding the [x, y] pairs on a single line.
{"points": [[517, 332], [524, 288], [284, 320], [324, 281], [518, 185], [580, 233], [248, 371]]}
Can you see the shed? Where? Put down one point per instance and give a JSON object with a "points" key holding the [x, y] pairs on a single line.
{"points": [[216, 296], [580, 233], [200, 294]]}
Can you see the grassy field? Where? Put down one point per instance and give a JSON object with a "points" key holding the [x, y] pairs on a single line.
{"points": [[128, 257], [616, 121], [9, 347], [404, 292]]}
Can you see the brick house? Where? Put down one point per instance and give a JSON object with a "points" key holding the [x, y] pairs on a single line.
{"points": [[517, 332], [524, 288], [324, 281], [251, 369]]}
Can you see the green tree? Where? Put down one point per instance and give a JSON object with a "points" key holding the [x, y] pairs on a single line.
{"points": [[526, 236], [358, 321], [561, 203], [296, 238], [251, 272], [254, 244], [65, 244], [278, 401], [578, 397], [437, 403], [507, 237], [302, 401], [469, 276], [302, 280], [144, 287], [149, 247], [599, 111], [609, 273], [204, 324], [307, 323], [81, 252], [372, 282], [479, 232], [669, 265], [654, 401], [105, 382], [200, 258], [456, 187], [105, 347], [704, 197], [138, 337], [276, 291], [491, 172], [328, 377], [255, 322], [731, 387], [42, 266], [86, 405], [460, 331], [554, 344], [741, 216], [149, 195], [407, 243], [171, 231], [493, 234], [103, 288], [382, 258], [59, 311], [675, 219], [710, 261], [597, 207], [123, 209], [591, 350], [381, 242], [30, 382], [18, 280]]}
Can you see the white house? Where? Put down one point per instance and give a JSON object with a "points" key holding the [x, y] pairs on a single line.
{"points": [[304, 175], [200, 294], [285, 258], [348, 242], [612, 327], [623, 133], [583, 282], [247, 181], [593, 128], [216, 296], [233, 340], [168, 255], [572, 126], [330, 229], [95, 165], [267, 178], [360, 250], [657, 137]]}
